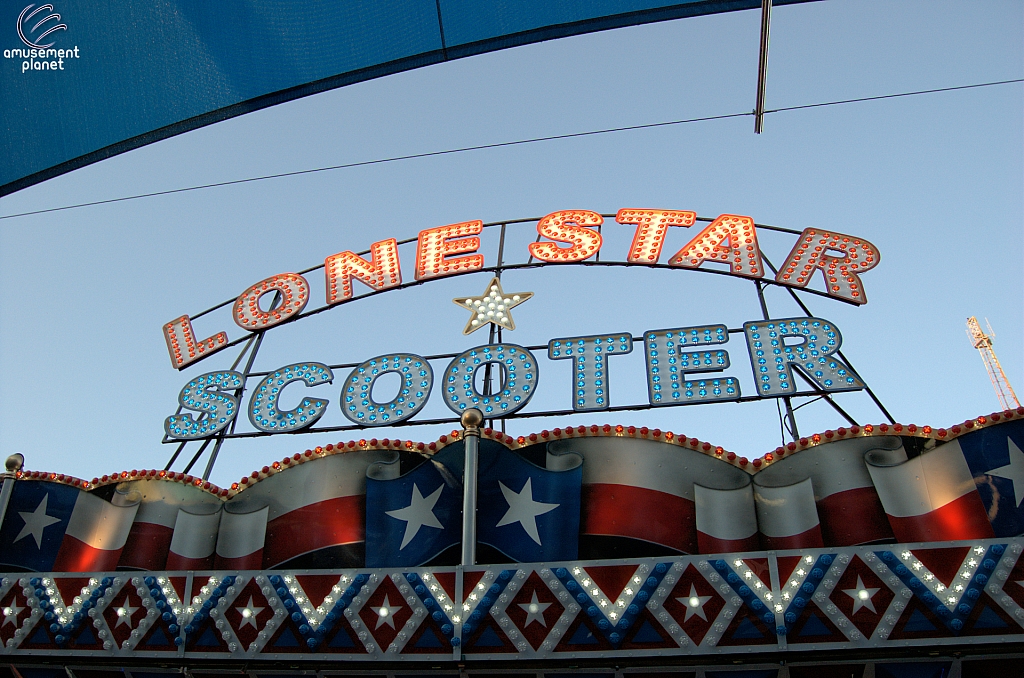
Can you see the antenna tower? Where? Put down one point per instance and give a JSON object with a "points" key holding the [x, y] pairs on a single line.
{"points": [[983, 342]]}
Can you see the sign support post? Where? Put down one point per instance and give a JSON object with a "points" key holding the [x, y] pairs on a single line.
{"points": [[12, 465], [762, 65], [471, 420]]}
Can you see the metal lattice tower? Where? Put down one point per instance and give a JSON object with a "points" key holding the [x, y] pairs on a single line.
{"points": [[983, 342]]}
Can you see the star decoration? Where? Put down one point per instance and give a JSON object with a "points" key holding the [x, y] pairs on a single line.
{"points": [[492, 306], [1014, 471], [386, 613], [249, 613], [11, 613], [535, 611], [523, 509], [419, 513], [35, 522], [125, 612], [861, 596], [694, 604]]}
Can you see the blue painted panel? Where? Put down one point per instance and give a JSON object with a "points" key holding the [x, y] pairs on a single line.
{"points": [[140, 71]]}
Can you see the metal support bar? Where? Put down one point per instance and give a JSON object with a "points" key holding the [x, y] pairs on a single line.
{"points": [[807, 311], [174, 457], [255, 343], [787, 400], [13, 464], [824, 395], [195, 457], [471, 420], [497, 273], [762, 64]]}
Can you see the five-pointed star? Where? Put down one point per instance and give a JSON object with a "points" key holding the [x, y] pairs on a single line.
{"points": [[1014, 471], [694, 604], [535, 611], [419, 513], [125, 612], [35, 522], [861, 596], [249, 613], [386, 613], [11, 613], [492, 306], [523, 509]]}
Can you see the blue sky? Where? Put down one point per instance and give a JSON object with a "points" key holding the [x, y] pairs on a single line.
{"points": [[934, 181]]}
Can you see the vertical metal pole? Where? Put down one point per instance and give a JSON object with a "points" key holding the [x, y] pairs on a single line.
{"points": [[762, 65], [471, 420], [13, 465], [793, 431], [497, 272]]}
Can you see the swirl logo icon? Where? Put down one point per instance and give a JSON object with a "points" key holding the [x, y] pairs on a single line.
{"points": [[33, 29]]}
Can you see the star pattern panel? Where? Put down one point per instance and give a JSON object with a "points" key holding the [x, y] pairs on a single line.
{"points": [[16, 613], [246, 614], [861, 596], [124, 615], [72, 611], [201, 633], [693, 604], [390, 614], [947, 582], [866, 597], [534, 610]]}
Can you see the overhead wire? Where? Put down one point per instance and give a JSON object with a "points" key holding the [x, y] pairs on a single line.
{"points": [[502, 144]]}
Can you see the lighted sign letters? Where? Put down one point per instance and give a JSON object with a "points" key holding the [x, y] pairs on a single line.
{"points": [[436, 247], [417, 378], [590, 368], [569, 226], [518, 378], [810, 254], [264, 412], [382, 272], [814, 342], [742, 253], [669, 362], [729, 240], [212, 396], [673, 357], [684, 365], [651, 227], [293, 290], [182, 344]]}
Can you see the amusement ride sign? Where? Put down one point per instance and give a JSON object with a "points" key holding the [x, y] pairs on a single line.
{"points": [[588, 542], [684, 365]]}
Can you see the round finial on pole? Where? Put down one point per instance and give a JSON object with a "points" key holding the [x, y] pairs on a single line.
{"points": [[15, 462], [471, 420]]}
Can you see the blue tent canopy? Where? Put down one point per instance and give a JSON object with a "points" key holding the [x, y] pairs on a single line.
{"points": [[83, 80]]}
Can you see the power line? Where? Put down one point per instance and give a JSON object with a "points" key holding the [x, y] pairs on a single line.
{"points": [[501, 144], [894, 96]]}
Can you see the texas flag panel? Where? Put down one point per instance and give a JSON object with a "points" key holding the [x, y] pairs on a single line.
{"points": [[995, 456], [33, 530], [413, 517], [528, 512], [53, 527]]}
